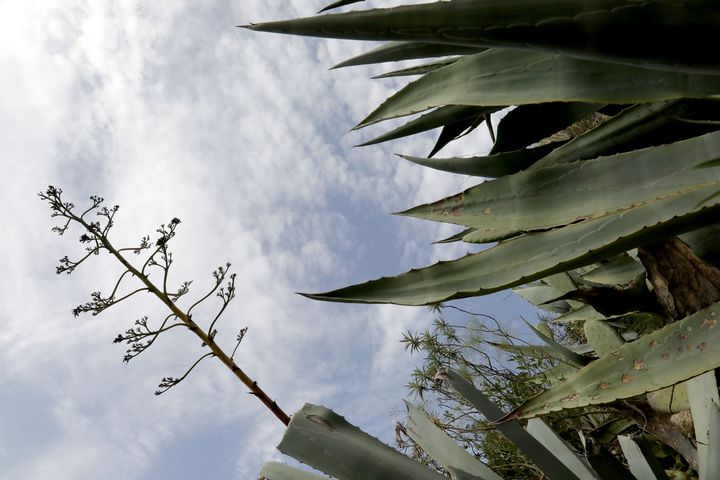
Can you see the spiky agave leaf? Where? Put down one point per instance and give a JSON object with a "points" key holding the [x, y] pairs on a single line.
{"points": [[531, 257], [435, 119], [338, 4], [488, 166], [675, 34], [670, 355], [500, 77], [324, 440], [397, 51]]}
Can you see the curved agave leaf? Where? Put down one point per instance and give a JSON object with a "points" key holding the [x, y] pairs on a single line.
{"points": [[338, 4], [517, 77], [618, 271], [490, 166], [280, 471], [608, 432], [455, 130], [397, 51], [324, 440], [528, 124], [675, 34], [531, 257], [667, 356], [443, 449], [631, 123], [538, 199], [456, 237], [435, 119], [582, 314], [418, 70]]}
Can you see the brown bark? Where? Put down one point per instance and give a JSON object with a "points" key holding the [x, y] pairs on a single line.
{"points": [[683, 283]]}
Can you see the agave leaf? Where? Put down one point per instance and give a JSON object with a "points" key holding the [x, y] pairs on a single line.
{"points": [[628, 125], [418, 69], [554, 375], [280, 471], [642, 466], [712, 462], [324, 440], [582, 314], [528, 124], [437, 118], [603, 337], [534, 351], [456, 237], [531, 257], [547, 289], [455, 130], [526, 443], [552, 441], [671, 400], [618, 271], [710, 163], [338, 4], [675, 35], [703, 396], [515, 77], [705, 242], [538, 295], [539, 199], [665, 357], [491, 166], [397, 51], [560, 350], [443, 449], [609, 431]]}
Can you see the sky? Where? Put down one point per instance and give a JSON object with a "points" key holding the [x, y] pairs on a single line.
{"points": [[168, 110]]}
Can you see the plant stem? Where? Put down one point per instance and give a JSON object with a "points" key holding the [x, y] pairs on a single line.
{"points": [[193, 327]]}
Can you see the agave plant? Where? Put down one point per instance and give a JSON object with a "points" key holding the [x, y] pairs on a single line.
{"points": [[601, 195], [325, 441]]}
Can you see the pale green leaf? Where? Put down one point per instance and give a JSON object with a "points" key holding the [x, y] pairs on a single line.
{"points": [[443, 449], [642, 467], [322, 439], [280, 471], [501, 77], [538, 199], [703, 395], [552, 441], [397, 51], [667, 356], [531, 257], [526, 443]]}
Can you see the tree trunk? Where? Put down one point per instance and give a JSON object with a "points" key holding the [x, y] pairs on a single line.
{"points": [[683, 282]]}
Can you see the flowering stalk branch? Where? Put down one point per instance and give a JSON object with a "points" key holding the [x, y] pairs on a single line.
{"points": [[142, 336]]}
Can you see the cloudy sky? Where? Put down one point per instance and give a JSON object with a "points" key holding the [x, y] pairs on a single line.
{"points": [[169, 110]]}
